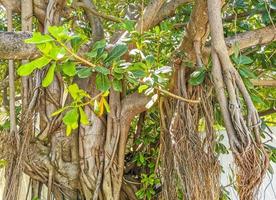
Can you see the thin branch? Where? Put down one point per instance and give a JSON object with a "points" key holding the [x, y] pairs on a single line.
{"points": [[176, 96], [96, 13], [266, 83], [267, 112]]}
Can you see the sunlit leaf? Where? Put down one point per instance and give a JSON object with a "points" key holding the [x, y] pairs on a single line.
{"points": [[74, 90], [28, 68], [69, 68], [83, 117], [38, 38], [106, 105], [57, 112], [142, 88], [49, 76]]}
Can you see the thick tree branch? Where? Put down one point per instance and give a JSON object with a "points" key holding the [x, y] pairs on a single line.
{"points": [[197, 29], [168, 10], [134, 104], [12, 46], [94, 20], [248, 39], [251, 38], [147, 18]]}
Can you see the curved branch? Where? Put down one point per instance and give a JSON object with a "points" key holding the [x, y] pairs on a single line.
{"points": [[150, 13], [132, 105], [168, 10], [251, 38], [94, 20], [197, 29]]}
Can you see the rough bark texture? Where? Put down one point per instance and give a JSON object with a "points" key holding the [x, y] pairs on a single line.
{"points": [[90, 163], [12, 46]]}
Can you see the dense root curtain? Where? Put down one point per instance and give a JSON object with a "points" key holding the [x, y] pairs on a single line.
{"points": [[250, 156]]}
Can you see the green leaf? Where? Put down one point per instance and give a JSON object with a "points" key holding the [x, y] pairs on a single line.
{"points": [[49, 76], [150, 59], [83, 117], [129, 25], [96, 107], [92, 54], [116, 52], [68, 130], [106, 105], [197, 77], [257, 99], [45, 48], [242, 60], [38, 38], [102, 70], [117, 85], [99, 44], [76, 42], [69, 68], [57, 52], [138, 73], [246, 73], [59, 32], [84, 72], [248, 83], [142, 88], [102, 82], [74, 90], [28, 68], [71, 117]]}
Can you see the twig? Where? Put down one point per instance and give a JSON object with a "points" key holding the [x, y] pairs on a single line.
{"points": [[176, 96], [96, 13], [76, 56]]}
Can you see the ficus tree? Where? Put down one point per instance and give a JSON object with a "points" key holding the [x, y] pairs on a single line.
{"points": [[122, 99]]}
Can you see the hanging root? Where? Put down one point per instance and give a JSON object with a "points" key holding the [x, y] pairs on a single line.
{"points": [[250, 156], [191, 167], [251, 167]]}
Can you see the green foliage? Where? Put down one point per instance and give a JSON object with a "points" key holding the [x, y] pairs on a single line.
{"points": [[28, 68], [198, 76], [116, 53], [49, 76], [146, 69]]}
